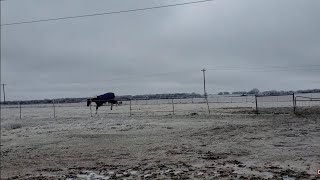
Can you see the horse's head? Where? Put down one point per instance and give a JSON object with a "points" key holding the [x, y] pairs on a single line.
{"points": [[89, 101]]}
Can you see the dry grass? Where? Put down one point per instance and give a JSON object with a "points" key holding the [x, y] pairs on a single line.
{"points": [[12, 125]]}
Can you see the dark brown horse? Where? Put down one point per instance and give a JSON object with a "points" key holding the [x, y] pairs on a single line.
{"points": [[100, 100]]}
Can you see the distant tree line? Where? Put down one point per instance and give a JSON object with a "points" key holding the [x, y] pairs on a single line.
{"points": [[120, 98], [48, 101], [160, 96], [256, 91], [223, 93]]}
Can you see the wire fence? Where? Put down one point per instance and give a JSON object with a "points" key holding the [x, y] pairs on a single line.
{"points": [[306, 105], [287, 104]]}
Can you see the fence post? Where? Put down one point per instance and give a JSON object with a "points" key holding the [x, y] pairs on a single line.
{"points": [[172, 107], [54, 109], [208, 105], [20, 109], [294, 103], [90, 110], [130, 107], [257, 111]]}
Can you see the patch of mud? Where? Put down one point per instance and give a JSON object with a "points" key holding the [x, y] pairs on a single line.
{"points": [[213, 156], [91, 136]]}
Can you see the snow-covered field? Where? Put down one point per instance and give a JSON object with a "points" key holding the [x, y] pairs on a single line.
{"points": [[155, 143]]}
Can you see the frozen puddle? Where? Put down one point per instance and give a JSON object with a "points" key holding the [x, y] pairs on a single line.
{"points": [[92, 176], [247, 171], [89, 175], [262, 174]]}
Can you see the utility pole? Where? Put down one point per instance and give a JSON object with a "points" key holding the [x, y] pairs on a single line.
{"points": [[204, 82], [4, 93], [204, 88]]}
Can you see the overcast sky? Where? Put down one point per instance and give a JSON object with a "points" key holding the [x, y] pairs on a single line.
{"points": [[158, 51]]}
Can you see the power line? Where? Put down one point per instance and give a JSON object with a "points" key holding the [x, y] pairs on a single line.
{"points": [[263, 68], [11, 0], [104, 13], [269, 70]]}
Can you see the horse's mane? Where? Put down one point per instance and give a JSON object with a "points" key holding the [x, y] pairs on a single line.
{"points": [[93, 97]]}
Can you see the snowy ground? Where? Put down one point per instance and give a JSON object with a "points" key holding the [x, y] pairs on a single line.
{"points": [[155, 144]]}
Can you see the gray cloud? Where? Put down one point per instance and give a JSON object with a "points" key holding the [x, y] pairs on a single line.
{"points": [[132, 53]]}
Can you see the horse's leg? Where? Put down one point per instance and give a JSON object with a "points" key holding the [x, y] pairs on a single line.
{"points": [[111, 105], [97, 109]]}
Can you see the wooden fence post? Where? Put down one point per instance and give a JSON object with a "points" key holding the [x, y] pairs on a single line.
{"points": [[172, 107], [90, 111], [294, 103], [20, 109], [208, 105], [257, 111], [130, 107], [54, 109]]}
